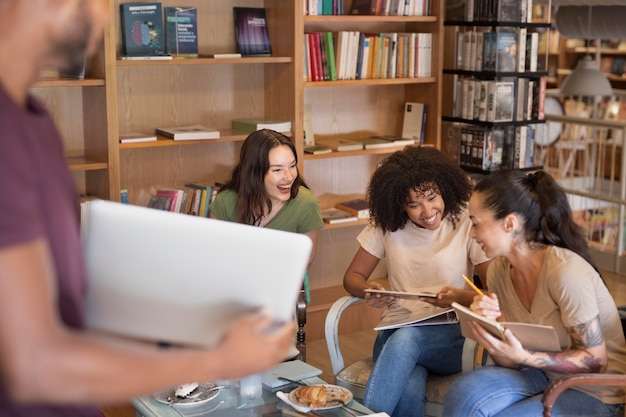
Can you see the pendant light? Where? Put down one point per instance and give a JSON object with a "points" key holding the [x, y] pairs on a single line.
{"points": [[586, 79]]}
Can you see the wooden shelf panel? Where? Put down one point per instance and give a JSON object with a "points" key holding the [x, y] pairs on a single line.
{"points": [[79, 163], [343, 154], [206, 61], [377, 81], [370, 18], [68, 82]]}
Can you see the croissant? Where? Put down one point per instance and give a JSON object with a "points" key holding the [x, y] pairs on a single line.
{"points": [[314, 396]]}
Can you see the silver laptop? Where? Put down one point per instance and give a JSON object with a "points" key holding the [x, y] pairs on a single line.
{"points": [[181, 279]]}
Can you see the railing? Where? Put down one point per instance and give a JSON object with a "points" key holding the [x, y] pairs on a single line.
{"points": [[589, 162]]}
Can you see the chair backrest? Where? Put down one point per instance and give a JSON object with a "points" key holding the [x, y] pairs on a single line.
{"points": [[331, 330]]}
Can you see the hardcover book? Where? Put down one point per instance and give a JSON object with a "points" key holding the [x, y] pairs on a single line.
{"points": [[375, 142], [317, 149], [414, 123], [341, 145], [532, 336], [251, 31], [181, 31], [189, 132], [334, 215], [252, 124], [133, 137], [358, 207], [142, 29]]}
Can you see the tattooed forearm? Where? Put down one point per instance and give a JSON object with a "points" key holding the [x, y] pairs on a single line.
{"points": [[588, 334], [583, 355]]}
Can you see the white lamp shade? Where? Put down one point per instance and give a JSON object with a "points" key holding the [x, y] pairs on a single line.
{"points": [[586, 80]]}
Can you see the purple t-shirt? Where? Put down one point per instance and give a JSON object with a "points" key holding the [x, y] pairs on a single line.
{"points": [[38, 200]]}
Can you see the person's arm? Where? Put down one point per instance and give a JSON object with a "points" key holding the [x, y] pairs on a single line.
{"points": [[42, 360], [355, 280]]}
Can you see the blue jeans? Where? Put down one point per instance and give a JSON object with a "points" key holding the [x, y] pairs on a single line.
{"points": [[497, 391], [403, 359]]}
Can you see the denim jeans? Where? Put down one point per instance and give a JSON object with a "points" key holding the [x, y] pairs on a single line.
{"points": [[499, 392], [403, 359]]}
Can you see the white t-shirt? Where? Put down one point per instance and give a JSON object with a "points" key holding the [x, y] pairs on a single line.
{"points": [[419, 259]]}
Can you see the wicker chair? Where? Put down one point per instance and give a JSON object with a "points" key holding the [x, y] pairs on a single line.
{"points": [[355, 376]]}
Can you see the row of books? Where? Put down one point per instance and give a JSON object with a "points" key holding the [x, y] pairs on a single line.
{"points": [[192, 199], [502, 50], [349, 55], [201, 132], [329, 145], [489, 10], [145, 33], [391, 7], [505, 100], [347, 211], [150, 31], [493, 148]]}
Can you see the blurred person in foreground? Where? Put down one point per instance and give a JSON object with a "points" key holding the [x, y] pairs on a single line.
{"points": [[50, 365]]}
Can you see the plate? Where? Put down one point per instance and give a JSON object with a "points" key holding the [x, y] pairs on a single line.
{"points": [[551, 106], [205, 392], [334, 393]]}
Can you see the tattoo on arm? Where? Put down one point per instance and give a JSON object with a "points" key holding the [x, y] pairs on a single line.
{"points": [[584, 336]]}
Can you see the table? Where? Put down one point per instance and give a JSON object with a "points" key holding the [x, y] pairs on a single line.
{"points": [[229, 404]]}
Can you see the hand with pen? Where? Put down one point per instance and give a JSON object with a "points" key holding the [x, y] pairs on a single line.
{"points": [[508, 352]]}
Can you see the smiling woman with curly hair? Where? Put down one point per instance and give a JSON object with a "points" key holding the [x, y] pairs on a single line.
{"points": [[420, 224]]}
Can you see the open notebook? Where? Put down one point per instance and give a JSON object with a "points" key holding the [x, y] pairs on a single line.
{"points": [[180, 279]]}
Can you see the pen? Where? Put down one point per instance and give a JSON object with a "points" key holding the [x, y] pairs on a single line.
{"points": [[472, 285]]}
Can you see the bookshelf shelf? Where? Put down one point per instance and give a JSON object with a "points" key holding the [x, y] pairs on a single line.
{"points": [[366, 82], [52, 82], [76, 163], [205, 61]]}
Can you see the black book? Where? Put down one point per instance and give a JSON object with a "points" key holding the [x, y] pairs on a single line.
{"points": [[251, 31], [142, 29]]}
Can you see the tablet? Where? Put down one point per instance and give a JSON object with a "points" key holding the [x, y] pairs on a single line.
{"points": [[403, 294]]}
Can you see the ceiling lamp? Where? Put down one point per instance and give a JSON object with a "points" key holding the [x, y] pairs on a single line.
{"points": [[586, 80]]}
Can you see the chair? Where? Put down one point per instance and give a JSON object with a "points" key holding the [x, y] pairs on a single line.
{"points": [[559, 385], [354, 376]]}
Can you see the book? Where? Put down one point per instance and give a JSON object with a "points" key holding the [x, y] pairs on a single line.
{"points": [[142, 29], [403, 294], [181, 31], [358, 207], [159, 202], [251, 32], [428, 315], [505, 48], [375, 142], [341, 145], [309, 134], [160, 57], [222, 56], [334, 215], [414, 122], [133, 137], [397, 140], [317, 149], [295, 370], [252, 124], [189, 132], [532, 336], [362, 7]]}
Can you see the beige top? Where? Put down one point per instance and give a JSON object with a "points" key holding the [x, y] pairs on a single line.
{"points": [[569, 292]]}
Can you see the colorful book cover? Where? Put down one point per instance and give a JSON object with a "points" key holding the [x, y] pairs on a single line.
{"points": [[181, 31], [251, 31], [142, 29]]}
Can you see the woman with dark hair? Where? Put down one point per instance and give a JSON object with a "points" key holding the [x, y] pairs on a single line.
{"points": [[419, 222], [542, 273], [266, 190]]}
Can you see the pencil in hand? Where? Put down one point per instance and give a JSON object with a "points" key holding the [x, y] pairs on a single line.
{"points": [[472, 285]]}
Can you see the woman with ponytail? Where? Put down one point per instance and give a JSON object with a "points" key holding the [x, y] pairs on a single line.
{"points": [[542, 273]]}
